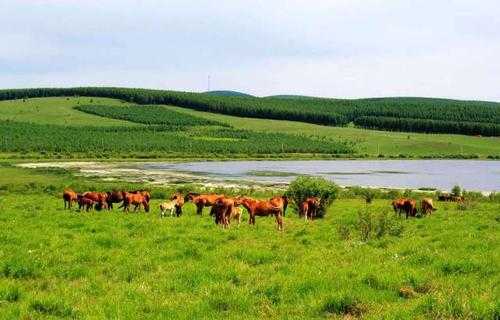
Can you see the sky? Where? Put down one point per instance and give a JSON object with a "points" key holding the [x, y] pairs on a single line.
{"points": [[329, 48]]}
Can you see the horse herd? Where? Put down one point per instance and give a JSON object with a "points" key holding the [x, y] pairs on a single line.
{"points": [[223, 208]]}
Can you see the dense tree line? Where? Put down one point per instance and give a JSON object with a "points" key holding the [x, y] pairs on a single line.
{"points": [[335, 112], [430, 126], [151, 115]]}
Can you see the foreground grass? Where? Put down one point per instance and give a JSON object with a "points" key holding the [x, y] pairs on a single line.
{"points": [[57, 263]]}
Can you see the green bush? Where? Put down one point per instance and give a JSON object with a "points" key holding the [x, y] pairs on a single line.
{"points": [[304, 187]]}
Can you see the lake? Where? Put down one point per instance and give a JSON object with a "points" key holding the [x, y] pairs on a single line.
{"points": [[440, 174]]}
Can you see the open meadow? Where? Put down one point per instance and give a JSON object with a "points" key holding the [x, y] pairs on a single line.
{"points": [[360, 261]]}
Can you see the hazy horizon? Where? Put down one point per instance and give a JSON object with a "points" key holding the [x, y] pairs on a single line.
{"points": [[338, 49]]}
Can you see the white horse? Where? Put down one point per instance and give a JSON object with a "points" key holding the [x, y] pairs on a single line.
{"points": [[165, 206]]}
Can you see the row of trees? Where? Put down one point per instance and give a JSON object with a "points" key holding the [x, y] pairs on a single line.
{"points": [[313, 110], [430, 126]]}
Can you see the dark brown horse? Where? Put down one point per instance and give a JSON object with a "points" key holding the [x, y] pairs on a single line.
{"points": [[85, 203], [309, 208], [202, 200], [114, 197], [69, 196], [262, 208], [410, 208]]}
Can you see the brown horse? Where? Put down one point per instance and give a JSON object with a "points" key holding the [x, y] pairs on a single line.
{"points": [[399, 205], [179, 202], [136, 199], [114, 197], [99, 198], [427, 206], [202, 200], [69, 196], [280, 201], [223, 210], [410, 208], [262, 208], [85, 203], [310, 207]]}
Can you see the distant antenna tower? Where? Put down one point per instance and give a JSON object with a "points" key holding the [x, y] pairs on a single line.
{"points": [[208, 83]]}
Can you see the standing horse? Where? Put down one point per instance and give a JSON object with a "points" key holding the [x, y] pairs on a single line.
{"points": [[69, 196], [399, 205], [179, 203], [114, 197], [280, 201], [136, 199], [427, 206], [262, 208], [202, 200], [309, 208]]}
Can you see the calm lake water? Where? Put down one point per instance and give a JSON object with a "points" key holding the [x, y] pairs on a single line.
{"points": [[439, 174]]}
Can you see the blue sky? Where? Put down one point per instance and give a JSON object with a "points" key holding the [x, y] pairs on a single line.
{"points": [[333, 48]]}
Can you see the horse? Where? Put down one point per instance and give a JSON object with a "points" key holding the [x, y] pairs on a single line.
{"points": [[225, 209], [114, 197], [69, 196], [202, 200], [99, 198], [280, 201], [262, 208], [84, 202], [179, 202], [168, 206], [136, 199], [410, 208], [399, 205], [309, 207], [427, 206]]}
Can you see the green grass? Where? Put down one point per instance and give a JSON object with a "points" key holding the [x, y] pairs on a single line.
{"points": [[57, 111], [56, 263]]}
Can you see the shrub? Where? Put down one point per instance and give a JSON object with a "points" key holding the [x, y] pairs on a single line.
{"points": [[303, 187], [456, 191]]}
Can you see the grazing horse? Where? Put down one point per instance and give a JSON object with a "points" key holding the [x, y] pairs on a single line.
{"points": [[114, 197], [280, 201], [225, 209], [202, 200], [262, 208], [84, 202], [399, 205], [99, 198], [168, 206], [179, 202], [427, 206], [309, 207], [69, 196], [410, 208], [136, 199]]}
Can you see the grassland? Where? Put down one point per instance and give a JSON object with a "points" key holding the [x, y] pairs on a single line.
{"points": [[68, 264], [367, 143]]}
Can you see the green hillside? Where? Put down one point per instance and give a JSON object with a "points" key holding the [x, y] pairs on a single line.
{"points": [[112, 128], [425, 115]]}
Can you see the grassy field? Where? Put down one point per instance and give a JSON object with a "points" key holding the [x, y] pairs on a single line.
{"points": [[368, 143], [68, 264]]}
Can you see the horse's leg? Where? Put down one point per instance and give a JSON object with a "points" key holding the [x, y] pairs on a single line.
{"points": [[279, 221], [199, 209]]}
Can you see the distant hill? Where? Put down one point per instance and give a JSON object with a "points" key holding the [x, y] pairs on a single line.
{"points": [[228, 93], [290, 96]]}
